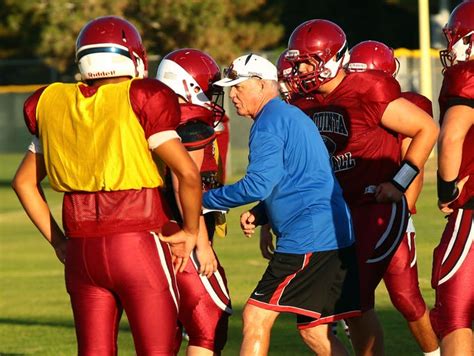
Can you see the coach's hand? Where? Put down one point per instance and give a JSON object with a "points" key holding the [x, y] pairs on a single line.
{"points": [[206, 258], [247, 223], [387, 193], [182, 244], [266, 242]]}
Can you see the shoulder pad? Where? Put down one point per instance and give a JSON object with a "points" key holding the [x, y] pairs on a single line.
{"points": [[195, 134]]}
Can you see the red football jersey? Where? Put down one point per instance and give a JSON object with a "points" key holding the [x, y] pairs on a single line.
{"points": [[363, 152], [458, 82], [419, 100], [88, 214]]}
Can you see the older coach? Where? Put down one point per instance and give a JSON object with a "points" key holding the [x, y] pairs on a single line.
{"points": [[313, 272]]}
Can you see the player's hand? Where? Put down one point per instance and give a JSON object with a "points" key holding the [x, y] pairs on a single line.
{"points": [[206, 258], [444, 207], [387, 193], [247, 223], [266, 242], [182, 244], [60, 250]]}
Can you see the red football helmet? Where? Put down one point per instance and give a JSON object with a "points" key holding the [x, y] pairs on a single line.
{"points": [[372, 55], [321, 43], [191, 74], [108, 47], [459, 33], [285, 71]]}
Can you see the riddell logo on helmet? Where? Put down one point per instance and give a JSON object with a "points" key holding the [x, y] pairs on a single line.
{"points": [[101, 74]]}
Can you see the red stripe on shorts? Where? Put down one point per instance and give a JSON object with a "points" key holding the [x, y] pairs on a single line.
{"points": [[279, 291]]}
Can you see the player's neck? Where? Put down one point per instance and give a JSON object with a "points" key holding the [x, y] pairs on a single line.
{"points": [[102, 81], [328, 88]]}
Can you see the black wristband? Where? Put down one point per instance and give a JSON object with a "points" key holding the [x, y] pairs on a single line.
{"points": [[447, 191], [405, 175]]}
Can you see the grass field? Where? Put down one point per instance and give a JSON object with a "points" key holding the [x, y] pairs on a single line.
{"points": [[35, 315]]}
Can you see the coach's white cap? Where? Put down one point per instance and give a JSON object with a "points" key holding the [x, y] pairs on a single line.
{"points": [[246, 67]]}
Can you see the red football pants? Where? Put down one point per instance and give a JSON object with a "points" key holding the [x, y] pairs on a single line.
{"points": [[131, 272], [401, 279], [453, 275]]}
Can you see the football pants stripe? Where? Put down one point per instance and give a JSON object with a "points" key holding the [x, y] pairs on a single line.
{"points": [[169, 271]]}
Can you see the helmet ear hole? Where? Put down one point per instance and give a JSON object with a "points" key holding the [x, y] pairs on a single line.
{"points": [[466, 39]]}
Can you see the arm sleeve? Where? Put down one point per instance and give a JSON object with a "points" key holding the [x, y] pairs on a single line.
{"points": [[156, 107], [383, 91], [453, 101], [29, 111], [195, 134], [35, 146], [264, 171]]}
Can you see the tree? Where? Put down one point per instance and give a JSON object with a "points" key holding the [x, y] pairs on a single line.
{"points": [[48, 29], [223, 28]]}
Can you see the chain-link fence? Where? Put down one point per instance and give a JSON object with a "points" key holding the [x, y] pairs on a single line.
{"points": [[14, 136]]}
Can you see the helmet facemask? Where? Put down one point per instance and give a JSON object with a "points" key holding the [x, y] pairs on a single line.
{"points": [[458, 50], [285, 71], [322, 73], [217, 104]]}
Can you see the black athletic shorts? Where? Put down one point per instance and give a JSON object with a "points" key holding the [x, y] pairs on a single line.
{"points": [[319, 287]]}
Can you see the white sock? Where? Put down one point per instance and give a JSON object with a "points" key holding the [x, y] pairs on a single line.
{"points": [[433, 353]]}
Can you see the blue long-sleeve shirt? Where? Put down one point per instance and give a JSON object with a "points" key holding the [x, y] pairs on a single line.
{"points": [[289, 172]]}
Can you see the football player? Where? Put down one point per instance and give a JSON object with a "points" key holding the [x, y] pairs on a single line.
{"points": [[401, 277], [94, 141], [453, 265], [360, 116], [205, 305]]}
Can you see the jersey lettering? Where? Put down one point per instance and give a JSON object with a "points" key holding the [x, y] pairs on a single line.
{"points": [[343, 162], [328, 121]]}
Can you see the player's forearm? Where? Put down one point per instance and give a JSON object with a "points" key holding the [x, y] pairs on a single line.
{"points": [[449, 156], [457, 122], [37, 209], [414, 190], [203, 237], [26, 185], [190, 195], [422, 144], [415, 187]]}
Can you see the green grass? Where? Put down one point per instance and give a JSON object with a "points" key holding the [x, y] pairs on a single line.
{"points": [[35, 315]]}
